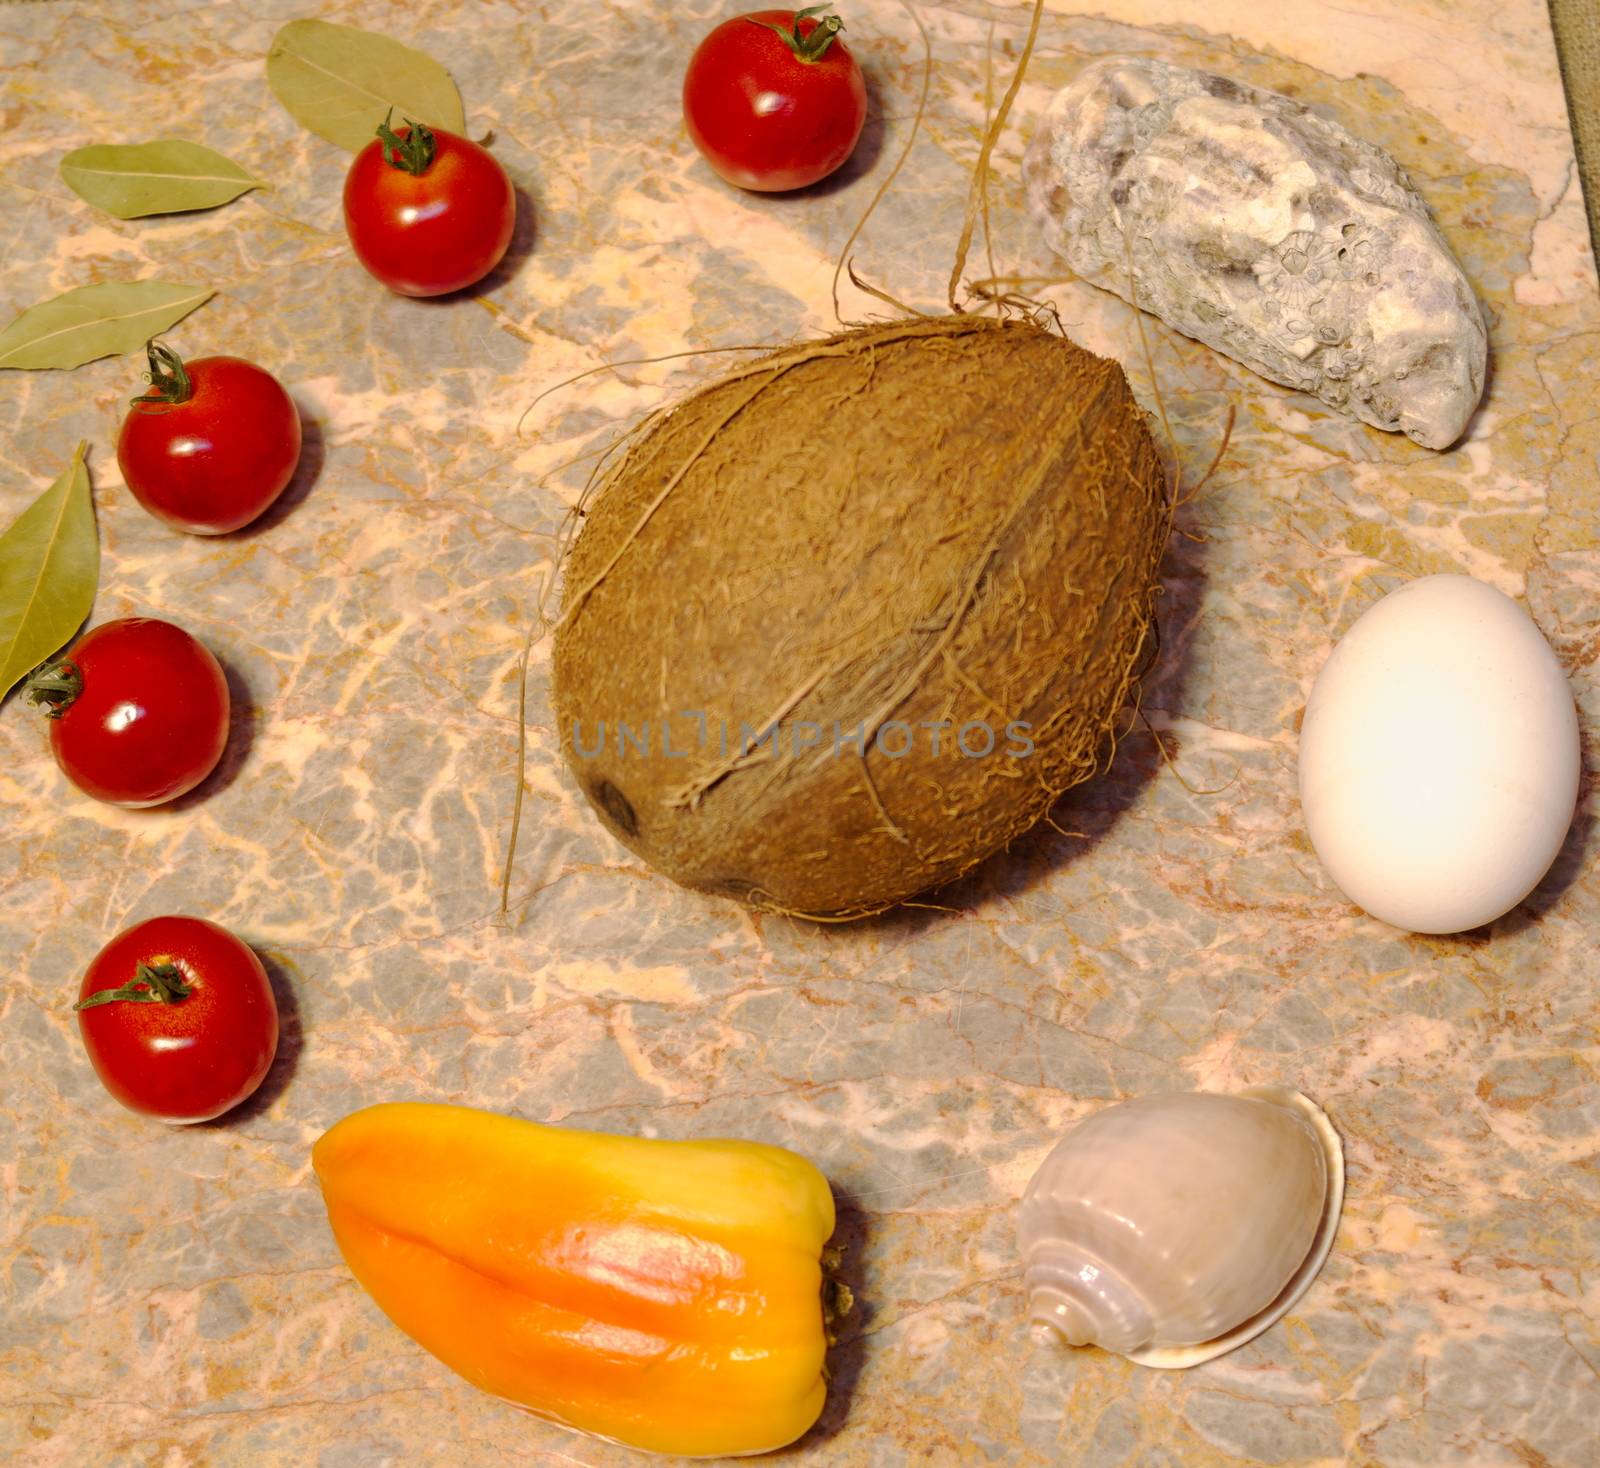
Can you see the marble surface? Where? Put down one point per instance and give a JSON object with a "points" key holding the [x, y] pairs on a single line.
{"points": [[173, 1298]]}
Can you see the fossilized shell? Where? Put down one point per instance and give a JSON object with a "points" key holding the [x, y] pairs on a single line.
{"points": [[1174, 1228], [1265, 231]]}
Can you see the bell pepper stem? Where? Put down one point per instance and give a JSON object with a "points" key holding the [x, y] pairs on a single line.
{"points": [[837, 1297]]}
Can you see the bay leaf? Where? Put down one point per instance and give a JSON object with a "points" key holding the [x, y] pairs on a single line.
{"points": [[168, 176], [340, 82], [49, 566], [96, 321]]}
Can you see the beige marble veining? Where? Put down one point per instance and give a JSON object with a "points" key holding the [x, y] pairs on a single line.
{"points": [[172, 1298]]}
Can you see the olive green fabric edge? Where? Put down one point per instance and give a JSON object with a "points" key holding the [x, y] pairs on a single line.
{"points": [[1577, 29]]}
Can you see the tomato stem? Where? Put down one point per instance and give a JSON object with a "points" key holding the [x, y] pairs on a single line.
{"points": [[161, 983], [169, 381], [55, 687], [414, 152], [812, 47]]}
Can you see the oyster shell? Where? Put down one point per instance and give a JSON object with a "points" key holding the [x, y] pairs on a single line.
{"points": [[1173, 1228], [1266, 231]]}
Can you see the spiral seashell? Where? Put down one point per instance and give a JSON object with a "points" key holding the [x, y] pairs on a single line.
{"points": [[1173, 1228]]}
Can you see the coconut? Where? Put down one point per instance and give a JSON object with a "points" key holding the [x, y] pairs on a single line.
{"points": [[846, 620]]}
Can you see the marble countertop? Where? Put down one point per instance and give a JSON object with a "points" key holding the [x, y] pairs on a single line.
{"points": [[173, 1298]]}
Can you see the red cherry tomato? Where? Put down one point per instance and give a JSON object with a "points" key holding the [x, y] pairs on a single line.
{"points": [[138, 712], [774, 100], [211, 445], [427, 212], [189, 1027]]}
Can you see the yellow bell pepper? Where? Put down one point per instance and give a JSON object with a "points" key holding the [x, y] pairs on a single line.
{"points": [[667, 1295]]}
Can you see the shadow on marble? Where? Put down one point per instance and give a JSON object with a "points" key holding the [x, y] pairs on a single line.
{"points": [[1565, 870], [241, 736], [291, 1041], [1491, 318], [868, 148], [846, 1355], [523, 236], [313, 451]]}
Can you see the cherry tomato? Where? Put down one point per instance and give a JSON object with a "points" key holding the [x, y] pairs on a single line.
{"points": [[211, 445], [138, 712], [178, 1018], [774, 100], [427, 212]]}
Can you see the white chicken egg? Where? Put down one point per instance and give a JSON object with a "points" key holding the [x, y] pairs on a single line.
{"points": [[1439, 757]]}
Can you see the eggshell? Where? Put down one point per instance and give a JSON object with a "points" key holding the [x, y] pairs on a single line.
{"points": [[1439, 757]]}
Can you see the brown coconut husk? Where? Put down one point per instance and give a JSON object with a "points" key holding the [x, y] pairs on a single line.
{"points": [[949, 520], [934, 521]]}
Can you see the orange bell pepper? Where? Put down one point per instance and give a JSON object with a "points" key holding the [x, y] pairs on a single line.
{"points": [[667, 1295]]}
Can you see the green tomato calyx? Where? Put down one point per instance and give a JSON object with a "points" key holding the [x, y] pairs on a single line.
{"points": [[168, 378], [159, 983], [414, 152], [815, 46], [55, 687]]}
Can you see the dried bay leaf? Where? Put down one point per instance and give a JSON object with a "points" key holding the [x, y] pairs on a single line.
{"points": [[340, 82], [96, 321], [168, 176], [49, 566]]}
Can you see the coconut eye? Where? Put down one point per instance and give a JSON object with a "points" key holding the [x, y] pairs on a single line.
{"points": [[616, 806]]}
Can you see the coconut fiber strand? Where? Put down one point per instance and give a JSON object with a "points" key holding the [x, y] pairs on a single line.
{"points": [[950, 522]]}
